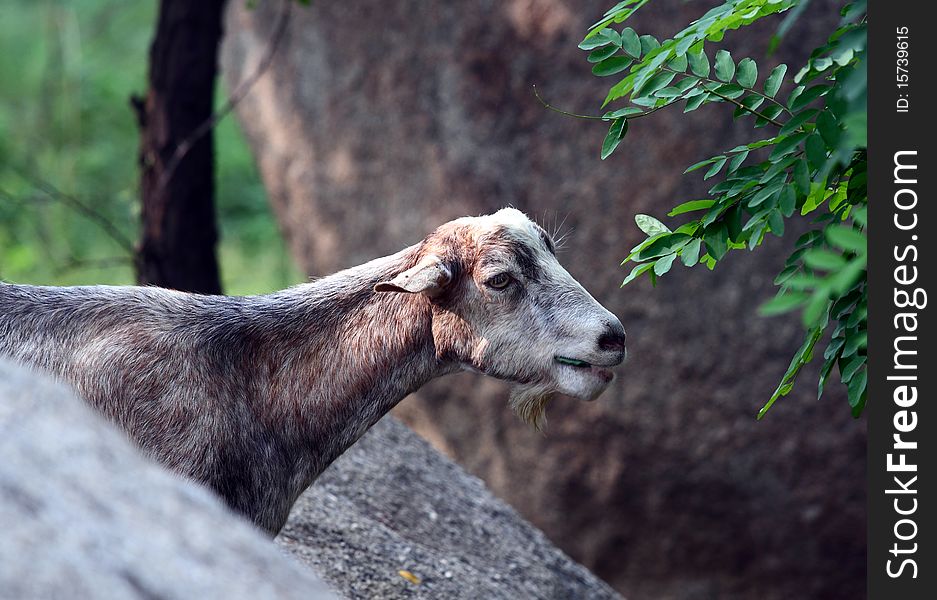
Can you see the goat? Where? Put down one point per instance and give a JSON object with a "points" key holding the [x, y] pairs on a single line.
{"points": [[255, 396]]}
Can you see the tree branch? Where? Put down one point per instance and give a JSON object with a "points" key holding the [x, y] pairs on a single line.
{"points": [[79, 206], [735, 102]]}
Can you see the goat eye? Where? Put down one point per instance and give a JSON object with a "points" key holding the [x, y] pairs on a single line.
{"points": [[499, 281]]}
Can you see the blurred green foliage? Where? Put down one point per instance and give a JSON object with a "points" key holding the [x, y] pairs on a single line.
{"points": [[67, 70]]}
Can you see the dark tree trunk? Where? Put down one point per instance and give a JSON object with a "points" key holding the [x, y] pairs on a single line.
{"points": [[177, 249]]}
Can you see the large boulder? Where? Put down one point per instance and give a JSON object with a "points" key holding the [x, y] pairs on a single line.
{"points": [[84, 515], [393, 504], [378, 121]]}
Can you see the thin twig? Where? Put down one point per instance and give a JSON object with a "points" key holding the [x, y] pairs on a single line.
{"points": [[565, 112], [73, 263], [233, 100], [603, 118], [74, 203]]}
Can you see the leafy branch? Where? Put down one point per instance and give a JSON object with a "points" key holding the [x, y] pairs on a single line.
{"points": [[815, 165]]}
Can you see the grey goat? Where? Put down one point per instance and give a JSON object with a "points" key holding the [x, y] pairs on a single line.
{"points": [[255, 396]]}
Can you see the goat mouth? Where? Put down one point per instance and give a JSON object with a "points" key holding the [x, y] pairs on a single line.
{"points": [[602, 372], [572, 362]]}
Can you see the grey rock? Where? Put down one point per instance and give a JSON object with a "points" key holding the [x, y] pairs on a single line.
{"points": [[392, 503], [84, 515], [378, 121]]}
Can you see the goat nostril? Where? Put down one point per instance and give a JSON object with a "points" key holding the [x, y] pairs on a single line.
{"points": [[612, 340]]}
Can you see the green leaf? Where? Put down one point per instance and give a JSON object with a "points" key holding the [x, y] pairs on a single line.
{"points": [[808, 96], [816, 308], [627, 111], [850, 367], [668, 92], [612, 65], [816, 151], [829, 129], [601, 53], [778, 169], [653, 84], [688, 228], [729, 90], [650, 225], [786, 274], [733, 221], [797, 91], [630, 42], [773, 83], [769, 112], [678, 63], [782, 303], [847, 238], [665, 244], [824, 375], [703, 163], [776, 222], [620, 89], [802, 178], [797, 120], [615, 134], [690, 253], [849, 275], [637, 271], [786, 145], [716, 239], [649, 43], [736, 161], [826, 260], [699, 63], [695, 102], [855, 391], [787, 201], [750, 104], [762, 195], [747, 73], [644, 244], [690, 206], [725, 67], [717, 166], [859, 315], [663, 264], [755, 237], [802, 357], [686, 83], [602, 38], [859, 215], [834, 348], [803, 282], [816, 197], [860, 340]]}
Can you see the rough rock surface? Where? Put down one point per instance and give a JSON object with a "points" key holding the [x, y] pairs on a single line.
{"points": [[84, 515], [392, 503], [378, 121]]}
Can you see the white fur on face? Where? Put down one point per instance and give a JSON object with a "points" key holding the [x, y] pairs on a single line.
{"points": [[543, 314]]}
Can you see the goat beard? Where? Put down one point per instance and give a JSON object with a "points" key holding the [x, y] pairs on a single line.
{"points": [[529, 402]]}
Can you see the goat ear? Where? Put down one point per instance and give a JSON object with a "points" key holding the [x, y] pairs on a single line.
{"points": [[429, 277]]}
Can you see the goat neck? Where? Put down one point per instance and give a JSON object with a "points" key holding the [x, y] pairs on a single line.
{"points": [[353, 356]]}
